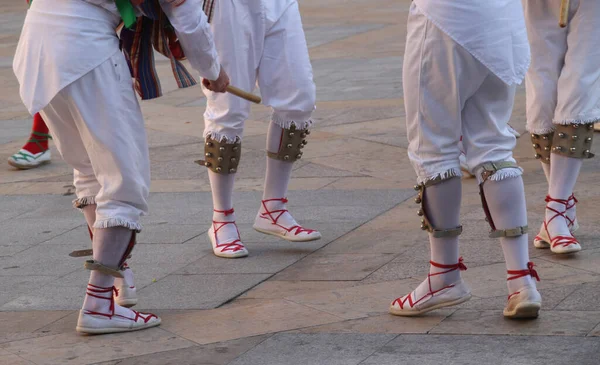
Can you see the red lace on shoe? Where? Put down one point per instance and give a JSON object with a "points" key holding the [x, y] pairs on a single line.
{"points": [[559, 240], [95, 291], [274, 215], [458, 266], [517, 274], [233, 246], [572, 198]]}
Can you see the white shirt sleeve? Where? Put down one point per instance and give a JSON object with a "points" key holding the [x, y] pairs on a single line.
{"points": [[195, 36]]}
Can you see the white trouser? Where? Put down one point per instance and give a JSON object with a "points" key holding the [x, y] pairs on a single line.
{"points": [[563, 82], [260, 40], [98, 128], [447, 92]]}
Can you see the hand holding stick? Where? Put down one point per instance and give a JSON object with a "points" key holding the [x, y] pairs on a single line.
{"points": [[564, 13]]}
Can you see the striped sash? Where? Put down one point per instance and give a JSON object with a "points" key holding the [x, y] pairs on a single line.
{"points": [[153, 31]]}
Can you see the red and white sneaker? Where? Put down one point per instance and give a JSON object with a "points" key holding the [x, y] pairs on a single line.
{"points": [[229, 245], [559, 244], [118, 319], [527, 301], [449, 295], [279, 222]]}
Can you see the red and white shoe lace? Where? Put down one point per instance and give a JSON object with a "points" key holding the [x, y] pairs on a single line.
{"points": [[560, 243], [230, 245], [279, 222], [448, 295], [117, 319], [527, 301]]}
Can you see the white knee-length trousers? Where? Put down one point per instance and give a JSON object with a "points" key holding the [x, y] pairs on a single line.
{"points": [[260, 41], [449, 93], [563, 82], [98, 128]]}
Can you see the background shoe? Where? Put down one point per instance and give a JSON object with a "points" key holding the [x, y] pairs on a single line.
{"points": [[451, 295], [226, 247], [274, 219], [25, 160], [429, 296], [116, 319], [525, 303]]}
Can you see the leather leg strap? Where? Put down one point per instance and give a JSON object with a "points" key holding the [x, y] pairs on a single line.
{"points": [[291, 145], [573, 140], [542, 145], [490, 169], [220, 157], [425, 221], [97, 266]]}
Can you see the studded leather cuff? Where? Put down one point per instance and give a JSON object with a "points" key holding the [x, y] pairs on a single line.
{"points": [[542, 144], [573, 140], [292, 142], [220, 157]]}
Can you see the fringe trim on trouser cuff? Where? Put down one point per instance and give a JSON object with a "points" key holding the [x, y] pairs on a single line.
{"points": [[577, 121], [541, 130], [450, 173], [287, 124], [81, 203], [221, 137], [500, 174], [118, 222]]}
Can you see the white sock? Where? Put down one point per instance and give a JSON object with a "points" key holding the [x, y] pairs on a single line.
{"points": [[442, 206], [277, 178], [126, 280], [506, 202], [109, 245], [563, 177], [89, 212], [546, 168], [222, 192]]}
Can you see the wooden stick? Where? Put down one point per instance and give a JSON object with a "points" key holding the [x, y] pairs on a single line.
{"points": [[244, 95], [564, 13]]}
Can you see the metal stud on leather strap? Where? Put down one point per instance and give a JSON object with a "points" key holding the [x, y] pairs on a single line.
{"points": [[542, 143], [221, 157], [573, 141], [513, 232], [292, 141]]}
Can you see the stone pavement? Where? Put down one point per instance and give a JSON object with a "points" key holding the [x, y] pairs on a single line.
{"points": [[323, 302]]}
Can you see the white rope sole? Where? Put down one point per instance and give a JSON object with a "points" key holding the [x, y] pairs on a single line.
{"points": [[411, 313], [524, 310], [292, 238]]}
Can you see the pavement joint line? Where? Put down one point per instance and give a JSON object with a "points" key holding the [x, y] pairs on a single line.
{"points": [[379, 349], [593, 273]]}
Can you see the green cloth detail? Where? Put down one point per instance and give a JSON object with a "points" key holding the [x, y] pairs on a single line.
{"points": [[127, 12]]}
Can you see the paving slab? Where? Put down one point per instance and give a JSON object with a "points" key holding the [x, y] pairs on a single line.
{"points": [[491, 322], [493, 350], [71, 348], [196, 291], [221, 353], [255, 319], [314, 349]]}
